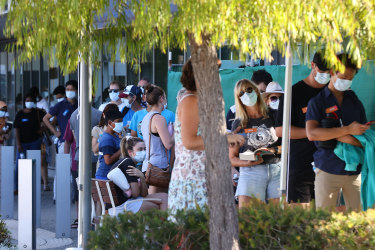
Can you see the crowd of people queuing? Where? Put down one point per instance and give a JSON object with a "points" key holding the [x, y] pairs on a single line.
{"points": [[135, 130]]}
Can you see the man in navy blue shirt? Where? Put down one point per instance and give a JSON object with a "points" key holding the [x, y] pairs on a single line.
{"points": [[62, 111], [335, 114]]}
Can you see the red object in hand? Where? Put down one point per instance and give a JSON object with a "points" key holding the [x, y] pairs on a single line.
{"points": [[370, 123]]}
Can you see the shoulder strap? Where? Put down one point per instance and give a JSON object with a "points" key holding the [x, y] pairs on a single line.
{"points": [[149, 133]]}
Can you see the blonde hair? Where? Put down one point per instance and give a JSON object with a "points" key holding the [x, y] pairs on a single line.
{"points": [[241, 113], [128, 144]]}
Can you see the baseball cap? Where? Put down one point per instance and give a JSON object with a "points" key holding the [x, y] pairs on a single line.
{"points": [[131, 90], [273, 88]]}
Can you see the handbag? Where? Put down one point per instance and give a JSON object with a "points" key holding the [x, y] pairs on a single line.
{"points": [[156, 176]]}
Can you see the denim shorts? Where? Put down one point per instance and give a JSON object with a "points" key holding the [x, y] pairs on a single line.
{"points": [[260, 181]]}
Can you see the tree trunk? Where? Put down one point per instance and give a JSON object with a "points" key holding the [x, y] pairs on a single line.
{"points": [[223, 224]]}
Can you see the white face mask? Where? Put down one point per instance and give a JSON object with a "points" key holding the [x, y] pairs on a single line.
{"points": [[140, 156], [45, 94], [4, 114], [275, 104], [70, 94], [60, 99], [322, 78], [118, 127], [30, 105], [342, 84], [114, 96], [249, 99]]}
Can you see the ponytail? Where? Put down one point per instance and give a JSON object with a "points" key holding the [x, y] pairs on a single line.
{"points": [[128, 144]]}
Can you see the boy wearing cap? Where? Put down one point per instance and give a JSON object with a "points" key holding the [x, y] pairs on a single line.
{"points": [[132, 99], [301, 175]]}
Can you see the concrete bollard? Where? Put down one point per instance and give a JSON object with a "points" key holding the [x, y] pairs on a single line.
{"points": [[26, 204], [63, 201], [7, 182], [35, 155]]}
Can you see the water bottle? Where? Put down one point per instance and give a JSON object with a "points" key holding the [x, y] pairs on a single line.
{"points": [[170, 128]]}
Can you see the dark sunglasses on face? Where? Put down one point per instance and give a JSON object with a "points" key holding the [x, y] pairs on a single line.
{"points": [[248, 90], [5, 108], [113, 90], [274, 98]]}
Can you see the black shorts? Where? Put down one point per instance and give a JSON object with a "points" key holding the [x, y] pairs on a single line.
{"points": [[300, 187]]}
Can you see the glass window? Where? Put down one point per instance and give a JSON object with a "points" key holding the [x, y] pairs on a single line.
{"points": [[35, 72], [11, 79], [161, 69], [147, 68], [3, 76]]}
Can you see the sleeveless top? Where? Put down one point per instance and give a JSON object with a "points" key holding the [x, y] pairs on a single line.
{"points": [[187, 188], [158, 156]]}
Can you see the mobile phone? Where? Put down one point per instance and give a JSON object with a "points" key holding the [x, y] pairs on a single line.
{"points": [[370, 123]]}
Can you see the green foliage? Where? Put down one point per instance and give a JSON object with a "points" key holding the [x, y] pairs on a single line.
{"points": [[261, 227], [65, 28], [152, 230], [5, 238]]}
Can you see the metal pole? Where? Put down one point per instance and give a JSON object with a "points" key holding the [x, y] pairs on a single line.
{"points": [[84, 185], [63, 200], [35, 155], [26, 204], [286, 118], [7, 182]]}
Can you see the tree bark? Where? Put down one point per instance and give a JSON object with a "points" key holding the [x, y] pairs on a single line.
{"points": [[223, 225]]}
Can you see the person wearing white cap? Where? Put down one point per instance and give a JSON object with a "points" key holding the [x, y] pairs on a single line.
{"points": [[272, 95]]}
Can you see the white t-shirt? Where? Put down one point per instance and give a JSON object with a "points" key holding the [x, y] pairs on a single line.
{"points": [[43, 104]]}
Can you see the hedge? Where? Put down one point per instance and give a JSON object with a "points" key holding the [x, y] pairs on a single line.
{"points": [[261, 227]]}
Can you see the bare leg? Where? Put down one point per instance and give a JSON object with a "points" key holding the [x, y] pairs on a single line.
{"points": [[162, 205], [245, 201], [153, 190], [44, 170]]}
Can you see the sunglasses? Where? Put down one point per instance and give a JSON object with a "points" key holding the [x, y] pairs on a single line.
{"points": [[248, 90], [113, 90], [5, 108], [274, 98]]}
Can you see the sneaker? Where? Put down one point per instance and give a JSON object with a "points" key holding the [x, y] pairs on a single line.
{"points": [[75, 223]]}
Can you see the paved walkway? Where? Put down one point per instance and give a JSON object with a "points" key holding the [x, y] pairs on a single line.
{"points": [[44, 238], [46, 234]]}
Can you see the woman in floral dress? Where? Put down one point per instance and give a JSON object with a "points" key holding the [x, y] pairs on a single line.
{"points": [[187, 188]]}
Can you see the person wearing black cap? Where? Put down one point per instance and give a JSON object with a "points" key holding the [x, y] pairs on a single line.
{"points": [[132, 98], [109, 143], [301, 176]]}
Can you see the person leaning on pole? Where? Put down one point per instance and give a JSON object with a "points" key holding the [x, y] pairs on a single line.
{"points": [[336, 114]]}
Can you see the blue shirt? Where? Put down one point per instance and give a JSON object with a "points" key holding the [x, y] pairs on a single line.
{"points": [[350, 110], [108, 145], [63, 110], [136, 121], [128, 117]]}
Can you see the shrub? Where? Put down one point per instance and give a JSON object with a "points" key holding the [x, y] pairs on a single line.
{"points": [[5, 238], [261, 226]]}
